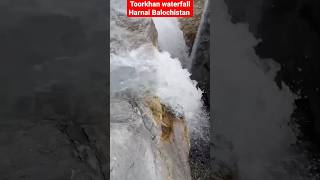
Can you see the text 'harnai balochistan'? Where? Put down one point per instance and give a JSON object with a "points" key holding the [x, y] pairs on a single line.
{"points": [[160, 8]]}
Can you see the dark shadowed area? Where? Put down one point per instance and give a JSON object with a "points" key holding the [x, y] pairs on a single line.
{"points": [[290, 34], [53, 76]]}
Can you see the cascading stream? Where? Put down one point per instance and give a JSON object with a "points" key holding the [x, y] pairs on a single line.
{"points": [[140, 71], [170, 38], [169, 29]]}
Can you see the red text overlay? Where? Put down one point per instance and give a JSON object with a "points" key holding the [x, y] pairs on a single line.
{"points": [[159, 8]]}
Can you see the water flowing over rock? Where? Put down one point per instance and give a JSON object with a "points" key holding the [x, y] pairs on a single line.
{"points": [[129, 33], [150, 116], [168, 29], [146, 146]]}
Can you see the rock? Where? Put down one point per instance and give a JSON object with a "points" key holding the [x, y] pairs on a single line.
{"points": [[147, 142], [129, 33], [189, 26], [200, 57], [38, 150]]}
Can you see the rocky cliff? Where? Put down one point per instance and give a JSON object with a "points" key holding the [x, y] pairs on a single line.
{"points": [[147, 142], [200, 55], [149, 128], [189, 26]]}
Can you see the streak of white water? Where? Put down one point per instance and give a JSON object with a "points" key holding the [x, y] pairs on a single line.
{"points": [[171, 39], [138, 70], [148, 71], [250, 110]]}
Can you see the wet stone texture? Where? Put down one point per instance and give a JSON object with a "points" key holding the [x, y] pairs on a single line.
{"points": [[190, 26], [147, 141], [52, 96]]}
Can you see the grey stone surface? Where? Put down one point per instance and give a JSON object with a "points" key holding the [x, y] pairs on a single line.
{"points": [[53, 116]]}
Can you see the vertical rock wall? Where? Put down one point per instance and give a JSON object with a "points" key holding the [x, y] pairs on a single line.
{"points": [[189, 26]]}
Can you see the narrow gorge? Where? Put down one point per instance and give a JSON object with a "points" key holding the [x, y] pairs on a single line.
{"points": [[153, 124]]}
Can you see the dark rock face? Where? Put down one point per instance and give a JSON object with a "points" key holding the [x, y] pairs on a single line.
{"points": [[290, 35], [200, 56], [52, 96], [200, 69], [190, 26]]}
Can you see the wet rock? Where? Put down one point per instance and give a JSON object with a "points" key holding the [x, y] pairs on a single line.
{"points": [[129, 33], [157, 141], [200, 57], [147, 140], [189, 26], [38, 151]]}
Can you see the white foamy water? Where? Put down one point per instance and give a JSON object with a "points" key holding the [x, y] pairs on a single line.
{"points": [[170, 38], [146, 71], [251, 112], [138, 70]]}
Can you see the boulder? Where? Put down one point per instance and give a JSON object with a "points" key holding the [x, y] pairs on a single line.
{"points": [[147, 142]]}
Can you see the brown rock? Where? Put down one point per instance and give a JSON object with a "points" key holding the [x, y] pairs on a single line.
{"points": [[189, 26]]}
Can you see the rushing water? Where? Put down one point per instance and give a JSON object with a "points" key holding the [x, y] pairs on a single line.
{"points": [[169, 29], [170, 38], [139, 69], [146, 71]]}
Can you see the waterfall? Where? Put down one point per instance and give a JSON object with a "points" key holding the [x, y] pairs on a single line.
{"points": [[147, 62], [169, 29], [170, 38]]}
